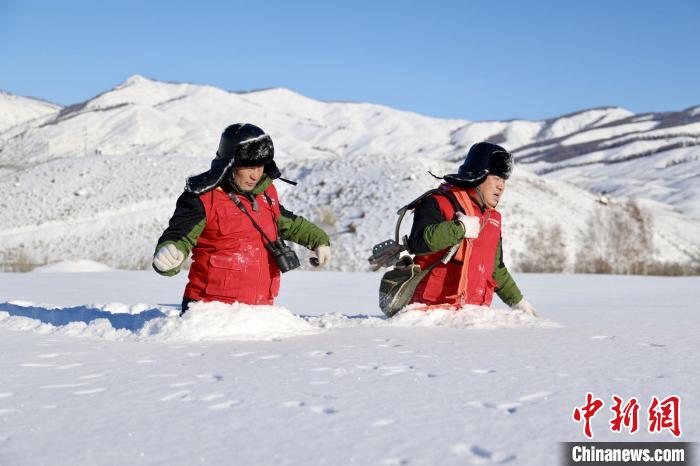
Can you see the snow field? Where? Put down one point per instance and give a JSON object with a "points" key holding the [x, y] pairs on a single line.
{"points": [[356, 390]]}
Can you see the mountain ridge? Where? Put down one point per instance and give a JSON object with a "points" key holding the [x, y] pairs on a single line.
{"points": [[150, 135]]}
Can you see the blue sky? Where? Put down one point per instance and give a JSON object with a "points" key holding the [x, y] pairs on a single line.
{"points": [[464, 59]]}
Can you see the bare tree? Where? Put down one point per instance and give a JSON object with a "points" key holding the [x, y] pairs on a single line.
{"points": [[545, 251], [619, 240]]}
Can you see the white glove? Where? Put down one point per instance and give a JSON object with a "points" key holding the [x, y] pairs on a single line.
{"points": [[168, 257], [525, 307], [471, 224], [323, 253]]}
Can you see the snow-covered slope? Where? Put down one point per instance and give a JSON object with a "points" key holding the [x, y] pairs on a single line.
{"points": [[654, 156], [98, 180], [16, 110]]}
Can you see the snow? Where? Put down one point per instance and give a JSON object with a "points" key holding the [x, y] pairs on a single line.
{"points": [[609, 133], [99, 180], [322, 377], [17, 110], [576, 122], [73, 267]]}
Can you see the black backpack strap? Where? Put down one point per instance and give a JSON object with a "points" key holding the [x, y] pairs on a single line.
{"points": [[410, 206], [414, 203]]}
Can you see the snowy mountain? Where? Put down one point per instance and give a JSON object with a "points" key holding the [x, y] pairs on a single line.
{"points": [[98, 180], [16, 110], [652, 155]]}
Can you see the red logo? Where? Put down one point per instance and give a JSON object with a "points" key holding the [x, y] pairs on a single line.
{"points": [[663, 414], [627, 416], [586, 412]]}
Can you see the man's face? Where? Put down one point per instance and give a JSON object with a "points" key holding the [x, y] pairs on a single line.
{"points": [[492, 189], [246, 178]]}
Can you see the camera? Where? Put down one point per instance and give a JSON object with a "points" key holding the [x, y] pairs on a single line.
{"points": [[285, 258]]}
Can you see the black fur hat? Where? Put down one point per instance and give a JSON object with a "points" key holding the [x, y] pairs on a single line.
{"points": [[483, 159], [241, 145]]}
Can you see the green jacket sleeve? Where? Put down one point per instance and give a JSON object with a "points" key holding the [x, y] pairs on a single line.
{"points": [[506, 287], [185, 226], [443, 235], [299, 230]]}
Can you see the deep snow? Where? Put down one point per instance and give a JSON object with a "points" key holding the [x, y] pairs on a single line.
{"points": [[322, 378]]}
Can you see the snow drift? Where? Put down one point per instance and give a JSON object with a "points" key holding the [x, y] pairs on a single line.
{"points": [[234, 322]]}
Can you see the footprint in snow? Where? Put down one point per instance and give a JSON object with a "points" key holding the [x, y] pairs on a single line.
{"points": [[5, 411], [537, 396], [6, 395], [66, 385], [183, 384], [509, 408], [293, 404], [653, 345], [394, 461], [90, 391], [602, 337], [244, 353], [336, 371], [212, 397], [297, 404], [37, 364], [383, 422], [145, 361], [395, 370], [49, 355], [224, 405], [481, 455], [182, 395], [269, 356], [483, 371], [210, 377], [322, 410], [69, 366], [91, 376], [503, 408], [319, 353]]}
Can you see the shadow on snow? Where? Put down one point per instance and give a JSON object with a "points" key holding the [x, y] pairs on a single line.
{"points": [[133, 322]]}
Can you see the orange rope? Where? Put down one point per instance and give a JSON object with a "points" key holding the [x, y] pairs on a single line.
{"points": [[464, 252]]}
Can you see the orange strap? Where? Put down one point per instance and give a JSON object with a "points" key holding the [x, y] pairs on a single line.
{"points": [[465, 248]]}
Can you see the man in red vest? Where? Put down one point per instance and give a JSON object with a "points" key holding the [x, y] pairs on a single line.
{"points": [[231, 219], [463, 212]]}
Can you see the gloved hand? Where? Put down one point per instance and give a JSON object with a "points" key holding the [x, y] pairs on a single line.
{"points": [[323, 256], [471, 224], [525, 307], [168, 257]]}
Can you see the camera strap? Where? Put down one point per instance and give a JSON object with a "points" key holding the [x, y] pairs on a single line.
{"points": [[240, 205]]}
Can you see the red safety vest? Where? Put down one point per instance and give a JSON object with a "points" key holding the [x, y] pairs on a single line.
{"points": [[230, 262], [442, 283]]}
